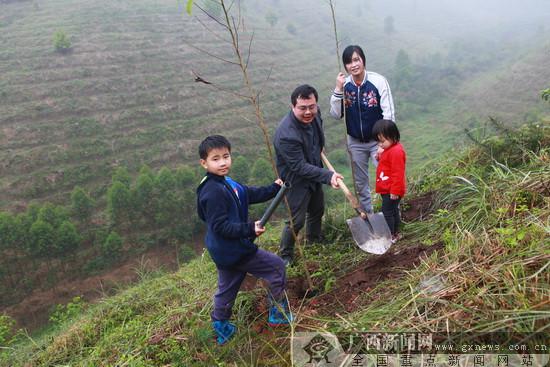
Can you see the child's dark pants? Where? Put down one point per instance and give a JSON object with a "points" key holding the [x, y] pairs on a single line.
{"points": [[265, 265], [390, 208]]}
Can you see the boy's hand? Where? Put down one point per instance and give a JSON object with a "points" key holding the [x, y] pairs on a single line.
{"points": [[258, 229], [394, 197], [279, 182]]}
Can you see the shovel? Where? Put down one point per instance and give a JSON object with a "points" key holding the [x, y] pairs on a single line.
{"points": [[371, 235]]}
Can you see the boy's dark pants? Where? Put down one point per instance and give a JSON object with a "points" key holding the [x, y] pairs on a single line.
{"points": [[390, 208], [311, 203], [265, 265]]}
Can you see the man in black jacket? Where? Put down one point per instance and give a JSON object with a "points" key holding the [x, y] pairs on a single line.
{"points": [[299, 141]]}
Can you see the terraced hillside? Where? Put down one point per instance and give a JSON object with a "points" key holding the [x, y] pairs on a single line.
{"points": [[124, 94]]}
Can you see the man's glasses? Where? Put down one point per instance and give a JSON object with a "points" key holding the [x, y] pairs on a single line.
{"points": [[312, 108]]}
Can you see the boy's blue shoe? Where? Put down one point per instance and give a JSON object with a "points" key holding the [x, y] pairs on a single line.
{"points": [[279, 314], [224, 330]]}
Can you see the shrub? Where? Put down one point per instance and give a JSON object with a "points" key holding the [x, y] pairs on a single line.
{"points": [[291, 28], [61, 42], [6, 329], [112, 246], [63, 313]]}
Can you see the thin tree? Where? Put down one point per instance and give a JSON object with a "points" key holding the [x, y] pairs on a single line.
{"points": [[233, 26]]}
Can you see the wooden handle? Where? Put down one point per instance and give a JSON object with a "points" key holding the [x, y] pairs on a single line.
{"points": [[351, 198]]}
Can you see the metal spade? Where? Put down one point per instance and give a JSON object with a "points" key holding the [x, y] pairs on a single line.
{"points": [[370, 231]]}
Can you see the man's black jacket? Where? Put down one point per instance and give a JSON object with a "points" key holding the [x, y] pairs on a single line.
{"points": [[298, 148]]}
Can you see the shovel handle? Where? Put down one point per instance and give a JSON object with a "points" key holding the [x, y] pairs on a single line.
{"points": [[351, 198], [274, 203]]}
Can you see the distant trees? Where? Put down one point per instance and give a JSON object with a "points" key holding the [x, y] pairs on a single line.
{"points": [[68, 238], [240, 170], [112, 247], [291, 28], [545, 94], [7, 231], [82, 205], [271, 18], [403, 71], [42, 236], [262, 173], [118, 203], [122, 175], [61, 42], [155, 208], [388, 25]]}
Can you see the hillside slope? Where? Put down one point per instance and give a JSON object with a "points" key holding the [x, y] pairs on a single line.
{"points": [[124, 95], [473, 259]]}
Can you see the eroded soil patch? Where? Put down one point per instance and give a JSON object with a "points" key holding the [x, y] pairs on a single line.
{"points": [[366, 276], [418, 207]]}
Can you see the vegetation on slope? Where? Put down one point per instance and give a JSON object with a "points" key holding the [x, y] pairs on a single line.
{"points": [[484, 225]]}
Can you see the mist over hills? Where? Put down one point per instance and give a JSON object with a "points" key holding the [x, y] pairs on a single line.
{"points": [[125, 93]]}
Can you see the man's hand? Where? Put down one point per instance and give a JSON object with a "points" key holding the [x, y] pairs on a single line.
{"points": [[340, 80], [258, 228], [279, 182], [394, 197], [334, 180]]}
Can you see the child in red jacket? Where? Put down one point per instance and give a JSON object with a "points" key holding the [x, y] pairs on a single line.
{"points": [[390, 173]]}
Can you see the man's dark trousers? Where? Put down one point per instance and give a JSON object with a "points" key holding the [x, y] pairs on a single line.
{"points": [[264, 265], [312, 203]]}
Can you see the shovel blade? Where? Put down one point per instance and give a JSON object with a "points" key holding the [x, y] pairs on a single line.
{"points": [[374, 238]]}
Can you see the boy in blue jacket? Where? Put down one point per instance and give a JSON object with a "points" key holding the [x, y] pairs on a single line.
{"points": [[223, 204]]}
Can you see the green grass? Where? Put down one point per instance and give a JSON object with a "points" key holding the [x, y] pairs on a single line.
{"points": [[130, 74], [492, 219]]}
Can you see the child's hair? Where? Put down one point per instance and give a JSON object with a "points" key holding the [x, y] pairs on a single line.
{"points": [[213, 142], [386, 128]]}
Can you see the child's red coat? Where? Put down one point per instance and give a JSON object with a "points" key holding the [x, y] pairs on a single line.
{"points": [[390, 173]]}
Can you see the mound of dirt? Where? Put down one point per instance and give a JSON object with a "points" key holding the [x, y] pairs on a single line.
{"points": [[363, 278], [418, 207]]}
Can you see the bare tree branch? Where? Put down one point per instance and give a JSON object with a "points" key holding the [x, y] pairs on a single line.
{"points": [[211, 54], [335, 34], [236, 33], [211, 16], [213, 32], [248, 51], [199, 79], [266, 80]]}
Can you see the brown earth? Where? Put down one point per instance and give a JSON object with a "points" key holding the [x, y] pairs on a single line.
{"points": [[365, 277], [418, 208], [34, 310]]}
